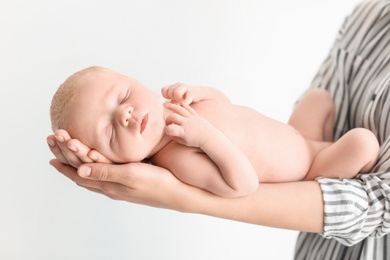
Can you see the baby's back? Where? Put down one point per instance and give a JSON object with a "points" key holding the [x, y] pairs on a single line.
{"points": [[276, 150]]}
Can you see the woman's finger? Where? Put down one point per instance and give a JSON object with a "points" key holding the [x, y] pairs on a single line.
{"points": [[110, 189], [68, 171], [80, 150], [98, 157], [55, 149], [104, 172], [62, 138]]}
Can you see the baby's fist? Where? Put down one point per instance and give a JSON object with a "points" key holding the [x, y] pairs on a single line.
{"points": [[178, 93]]}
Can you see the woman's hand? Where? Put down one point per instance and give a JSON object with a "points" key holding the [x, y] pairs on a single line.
{"points": [[72, 151], [139, 183], [134, 182], [271, 205]]}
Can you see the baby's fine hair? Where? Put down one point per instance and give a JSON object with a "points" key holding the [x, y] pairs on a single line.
{"points": [[65, 94]]}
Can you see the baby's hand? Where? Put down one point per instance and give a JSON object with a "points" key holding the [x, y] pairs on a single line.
{"points": [[186, 126], [178, 93]]}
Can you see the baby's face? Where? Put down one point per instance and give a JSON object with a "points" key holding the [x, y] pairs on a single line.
{"points": [[117, 116]]}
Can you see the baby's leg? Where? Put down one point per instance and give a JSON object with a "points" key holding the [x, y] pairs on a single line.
{"points": [[355, 152], [314, 115]]}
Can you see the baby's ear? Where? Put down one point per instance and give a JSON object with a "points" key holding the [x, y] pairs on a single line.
{"points": [[98, 157]]}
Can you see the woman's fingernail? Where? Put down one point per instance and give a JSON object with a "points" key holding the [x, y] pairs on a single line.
{"points": [[94, 157], [85, 171], [51, 142], [60, 138], [72, 148]]}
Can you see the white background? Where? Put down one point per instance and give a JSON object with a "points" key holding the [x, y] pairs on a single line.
{"points": [[261, 53]]}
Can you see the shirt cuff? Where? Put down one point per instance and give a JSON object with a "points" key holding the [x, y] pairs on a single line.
{"points": [[345, 209]]}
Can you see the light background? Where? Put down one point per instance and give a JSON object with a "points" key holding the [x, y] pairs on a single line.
{"points": [[261, 53]]}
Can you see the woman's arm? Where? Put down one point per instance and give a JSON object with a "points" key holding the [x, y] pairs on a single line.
{"points": [[283, 205]]}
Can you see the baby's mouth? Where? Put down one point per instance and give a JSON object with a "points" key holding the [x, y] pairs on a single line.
{"points": [[144, 122]]}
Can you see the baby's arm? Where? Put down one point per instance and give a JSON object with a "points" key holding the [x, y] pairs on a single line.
{"points": [[185, 94], [188, 128]]}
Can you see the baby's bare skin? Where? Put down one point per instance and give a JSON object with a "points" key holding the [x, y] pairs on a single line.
{"points": [[276, 150], [207, 141]]}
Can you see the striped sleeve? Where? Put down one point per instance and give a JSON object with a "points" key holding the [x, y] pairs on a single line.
{"points": [[357, 74]]}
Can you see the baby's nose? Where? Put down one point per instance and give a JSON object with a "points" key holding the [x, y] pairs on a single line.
{"points": [[125, 115]]}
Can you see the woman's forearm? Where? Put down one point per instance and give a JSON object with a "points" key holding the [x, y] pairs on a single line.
{"points": [[294, 205]]}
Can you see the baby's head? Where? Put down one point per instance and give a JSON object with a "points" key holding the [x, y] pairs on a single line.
{"points": [[64, 97], [109, 112]]}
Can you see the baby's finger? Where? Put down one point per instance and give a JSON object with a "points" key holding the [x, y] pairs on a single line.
{"points": [[178, 109], [179, 93], [167, 91], [174, 130], [174, 92], [188, 99], [164, 92], [174, 119], [189, 109]]}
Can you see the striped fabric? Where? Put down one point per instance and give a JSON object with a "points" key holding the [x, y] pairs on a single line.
{"points": [[357, 73]]}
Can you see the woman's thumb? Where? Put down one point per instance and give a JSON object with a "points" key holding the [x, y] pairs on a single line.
{"points": [[96, 171]]}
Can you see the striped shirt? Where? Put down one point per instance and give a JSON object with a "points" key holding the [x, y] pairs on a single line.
{"points": [[357, 74]]}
